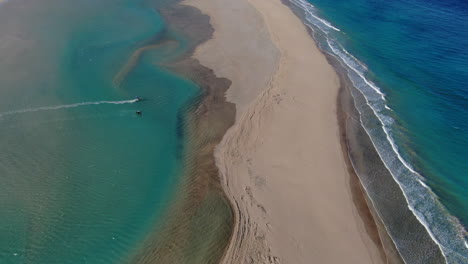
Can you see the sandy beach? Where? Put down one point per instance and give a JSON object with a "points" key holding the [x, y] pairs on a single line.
{"points": [[282, 164]]}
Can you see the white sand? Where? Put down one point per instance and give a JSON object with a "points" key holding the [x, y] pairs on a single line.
{"points": [[281, 164]]}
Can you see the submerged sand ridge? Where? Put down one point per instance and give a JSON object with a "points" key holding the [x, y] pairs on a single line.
{"points": [[281, 164]]}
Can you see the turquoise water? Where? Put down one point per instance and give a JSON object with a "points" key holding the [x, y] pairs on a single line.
{"points": [[83, 181], [408, 59]]}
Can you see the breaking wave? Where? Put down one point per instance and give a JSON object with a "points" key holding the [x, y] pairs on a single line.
{"points": [[444, 229]]}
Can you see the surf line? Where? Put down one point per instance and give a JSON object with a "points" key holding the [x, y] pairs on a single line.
{"points": [[48, 108]]}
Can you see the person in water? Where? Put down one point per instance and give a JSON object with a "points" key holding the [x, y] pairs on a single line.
{"points": [[138, 112]]}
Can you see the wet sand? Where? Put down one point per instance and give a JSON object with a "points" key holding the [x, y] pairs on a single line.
{"points": [[282, 164], [198, 222]]}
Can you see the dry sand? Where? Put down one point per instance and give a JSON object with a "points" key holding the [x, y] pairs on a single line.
{"points": [[281, 164]]}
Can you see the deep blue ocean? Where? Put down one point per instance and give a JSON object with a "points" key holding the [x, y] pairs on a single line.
{"points": [[409, 60]]}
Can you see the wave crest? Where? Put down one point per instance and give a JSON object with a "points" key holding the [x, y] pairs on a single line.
{"points": [[444, 229]]}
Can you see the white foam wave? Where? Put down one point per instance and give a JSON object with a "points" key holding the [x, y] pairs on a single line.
{"points": [[364, 67], [423, 184], [311, 11], [420, 199], [413, 195], [48, 108], [351, 63]]}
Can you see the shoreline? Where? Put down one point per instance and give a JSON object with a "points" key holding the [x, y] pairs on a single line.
{"points": [[388, 204], [374, 226], [430, 234], [370, 172], [198, 221], [263, 251]]}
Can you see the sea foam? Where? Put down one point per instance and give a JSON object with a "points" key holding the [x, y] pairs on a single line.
{"points": [[444, 229]]}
